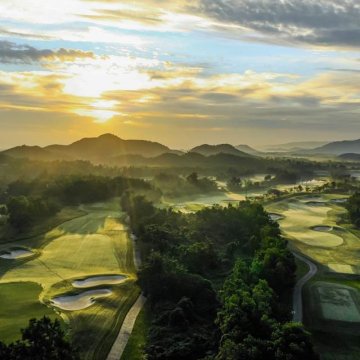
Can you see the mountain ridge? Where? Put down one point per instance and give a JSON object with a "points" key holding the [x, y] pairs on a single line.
{"points": [[210, 150]]}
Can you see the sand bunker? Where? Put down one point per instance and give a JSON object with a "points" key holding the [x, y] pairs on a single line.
{"points": [[99, 280], [276, 217], [80, 301], [322, 228], [14, 254]]}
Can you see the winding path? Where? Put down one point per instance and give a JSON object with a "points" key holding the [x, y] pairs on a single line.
{"points": [[127, 327], [297, 297]]}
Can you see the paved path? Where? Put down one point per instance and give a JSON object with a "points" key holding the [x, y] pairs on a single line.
{"points": [[297, 297], [126, 330], [130, 319]]}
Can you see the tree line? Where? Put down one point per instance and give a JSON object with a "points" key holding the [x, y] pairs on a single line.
{"points": [[29, 202]]}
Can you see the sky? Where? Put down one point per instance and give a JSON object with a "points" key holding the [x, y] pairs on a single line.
{"points": [[179, 72]]}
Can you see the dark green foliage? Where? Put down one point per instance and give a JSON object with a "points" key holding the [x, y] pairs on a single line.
{"points": [[275, 263], [287, 176], [292, 342], [41, 340], [87, 189], [251, 325], [353, 207], [245, 321], [172, 185], [30, 202], [24, 211]]}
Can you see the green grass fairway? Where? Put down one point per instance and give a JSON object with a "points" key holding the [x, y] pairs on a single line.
{"points": [[299, 220], [18, 301], [94, 244]]}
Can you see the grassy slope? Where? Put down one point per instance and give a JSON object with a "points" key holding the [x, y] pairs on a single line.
{"points": [[17, 302], [93, 244], [137, 341]]}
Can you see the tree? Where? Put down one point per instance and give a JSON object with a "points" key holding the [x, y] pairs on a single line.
{"points": [[292, 342], [42, 340], [193, 178], [353, 207]]}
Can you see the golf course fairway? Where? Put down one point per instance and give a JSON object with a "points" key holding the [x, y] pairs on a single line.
{"points": [[316, 227], [94, 251]]}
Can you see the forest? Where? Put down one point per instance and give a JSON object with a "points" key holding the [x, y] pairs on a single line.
{"points": [[218, 282]]}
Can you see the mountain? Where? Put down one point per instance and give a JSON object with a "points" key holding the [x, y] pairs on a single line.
{"points": [[209, 150], [247, 149], [295, 146], [195, 160], [350, 157], [99, 149], [31, 152], [109, 145], [339, 147]]}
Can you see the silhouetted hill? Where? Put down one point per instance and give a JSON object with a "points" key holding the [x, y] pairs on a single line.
{"points": [[339, 147], [209, 150], [295, 146], [190, 160], [350, 157], [98, 149], [33, 153], [248, 150]]}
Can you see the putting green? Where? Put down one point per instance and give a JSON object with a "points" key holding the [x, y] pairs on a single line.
{"points": [[300, 219], [96, 244]]}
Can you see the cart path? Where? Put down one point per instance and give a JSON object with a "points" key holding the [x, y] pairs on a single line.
{"points": [[297, 296], [127, 326]]}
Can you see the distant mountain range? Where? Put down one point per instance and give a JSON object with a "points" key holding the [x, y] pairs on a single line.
{"points": [[339, 147], [97, 149], [295, 146], [210, 150], [110, 149], [248, 150], [350, 157]]}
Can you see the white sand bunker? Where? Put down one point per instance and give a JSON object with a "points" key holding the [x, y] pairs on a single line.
{"points": [[276, 217], [14, 254], [99, 280], [322, 228], [80, 301]]}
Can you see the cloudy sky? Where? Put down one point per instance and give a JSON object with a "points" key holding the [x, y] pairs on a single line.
{"points": [[179, 72]]}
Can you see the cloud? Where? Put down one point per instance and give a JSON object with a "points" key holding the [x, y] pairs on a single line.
{"points": [[311, 22], [25, 54]]}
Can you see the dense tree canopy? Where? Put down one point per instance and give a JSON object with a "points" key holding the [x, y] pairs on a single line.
{"points": [[185, 254], [42, 340], [353, 207]]}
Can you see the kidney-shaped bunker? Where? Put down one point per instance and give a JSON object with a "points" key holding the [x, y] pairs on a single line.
{"points": [[99, 280], [15, 253], [79, 301]]}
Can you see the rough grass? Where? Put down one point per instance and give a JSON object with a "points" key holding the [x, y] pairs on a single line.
{"points": [[19, 301], [135, 347], [94, 244]]}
